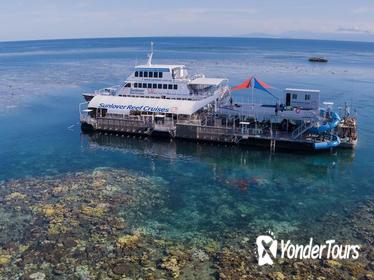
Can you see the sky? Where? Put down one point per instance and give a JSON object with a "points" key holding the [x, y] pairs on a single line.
{"points": [[57, 19]]}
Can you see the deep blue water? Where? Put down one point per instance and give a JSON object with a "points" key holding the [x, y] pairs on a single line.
{"points": [[41, 86]]}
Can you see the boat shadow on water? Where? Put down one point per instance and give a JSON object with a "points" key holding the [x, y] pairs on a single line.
{"points": [[172, 148]]}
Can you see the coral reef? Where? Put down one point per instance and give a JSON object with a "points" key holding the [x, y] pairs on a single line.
{"points": [[96, 225], [128, 240]]}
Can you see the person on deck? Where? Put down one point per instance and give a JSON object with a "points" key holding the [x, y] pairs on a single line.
{"points": [[276, 109]]}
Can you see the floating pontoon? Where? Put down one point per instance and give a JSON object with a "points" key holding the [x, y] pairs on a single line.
{"points": [[164, 100]]}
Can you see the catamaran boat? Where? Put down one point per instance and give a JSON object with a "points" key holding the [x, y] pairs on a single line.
{"points": [[164, 100], [155, 93]]}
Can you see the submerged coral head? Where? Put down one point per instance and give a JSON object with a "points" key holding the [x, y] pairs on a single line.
{"points": [[241, 184]]}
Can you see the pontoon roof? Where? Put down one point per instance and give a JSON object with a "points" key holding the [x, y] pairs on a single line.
{"points": [[207, 81], [302, 90]]}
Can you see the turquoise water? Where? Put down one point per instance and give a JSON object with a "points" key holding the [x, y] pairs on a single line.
{"points": [[208, 189]]}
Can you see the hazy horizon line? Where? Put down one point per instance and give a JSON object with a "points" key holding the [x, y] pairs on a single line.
{"points": [[268, 36]]}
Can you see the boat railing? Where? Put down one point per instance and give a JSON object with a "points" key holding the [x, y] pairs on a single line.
{"points": [[191, 122], [203, 93], [108, 91], [191, 97], [121, 124], [212, 132], [304, 127]]}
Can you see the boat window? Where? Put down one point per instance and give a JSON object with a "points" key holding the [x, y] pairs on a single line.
{"points": [[165, 86], [294, 96], [170, 86], [128, 85], [136, 74], [103, 112], [159, 86], [175, 87], [140, 74], [160, 74], [154, 85], [307, 96], [145, 74], [144, 85], [151, 74], [135, 85], [155, 74], [149, 85]]}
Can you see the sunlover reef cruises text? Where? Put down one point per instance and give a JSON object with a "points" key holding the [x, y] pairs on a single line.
{"points": [[135, 108]]}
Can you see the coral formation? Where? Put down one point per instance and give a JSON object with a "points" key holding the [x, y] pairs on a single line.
{"points": [[128, 240], [15, 196], [96, 225], [4, 259]]}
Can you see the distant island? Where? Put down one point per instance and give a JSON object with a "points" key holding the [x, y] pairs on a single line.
{"points": [[339, 35]]}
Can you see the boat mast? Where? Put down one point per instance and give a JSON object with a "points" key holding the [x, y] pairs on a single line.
{"points": [[252, 87], [150, 56]]}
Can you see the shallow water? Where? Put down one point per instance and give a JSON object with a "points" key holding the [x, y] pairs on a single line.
{"points": [[206, 191]]}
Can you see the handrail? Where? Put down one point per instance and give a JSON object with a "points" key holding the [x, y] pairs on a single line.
{"points": [[80, 107], [302, 128]]}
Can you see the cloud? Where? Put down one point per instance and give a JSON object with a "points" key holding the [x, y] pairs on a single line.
{"points": [[45, 19], [353, 30], [361, 10], [228, 11]]}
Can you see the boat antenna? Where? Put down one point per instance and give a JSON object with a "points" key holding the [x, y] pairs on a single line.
{"points": [[149, 63]]}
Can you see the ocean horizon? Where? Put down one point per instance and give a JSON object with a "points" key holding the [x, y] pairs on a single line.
{"points": [[261, 37]]}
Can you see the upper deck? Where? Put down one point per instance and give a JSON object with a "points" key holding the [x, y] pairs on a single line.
{"points": [[168, 81], [165, 81], [159, 71]]}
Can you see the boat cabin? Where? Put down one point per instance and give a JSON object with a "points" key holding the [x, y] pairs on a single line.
{"points": [[306, 99]]}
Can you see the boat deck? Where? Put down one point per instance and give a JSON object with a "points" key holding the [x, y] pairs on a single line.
{"points": [[261, 112], [195, 130]]}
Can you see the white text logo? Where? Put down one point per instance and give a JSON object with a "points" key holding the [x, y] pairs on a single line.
{"points": [[267, 247]]}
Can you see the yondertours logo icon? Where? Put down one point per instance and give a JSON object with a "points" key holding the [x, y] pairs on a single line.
{"points": [[267, 250]]}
